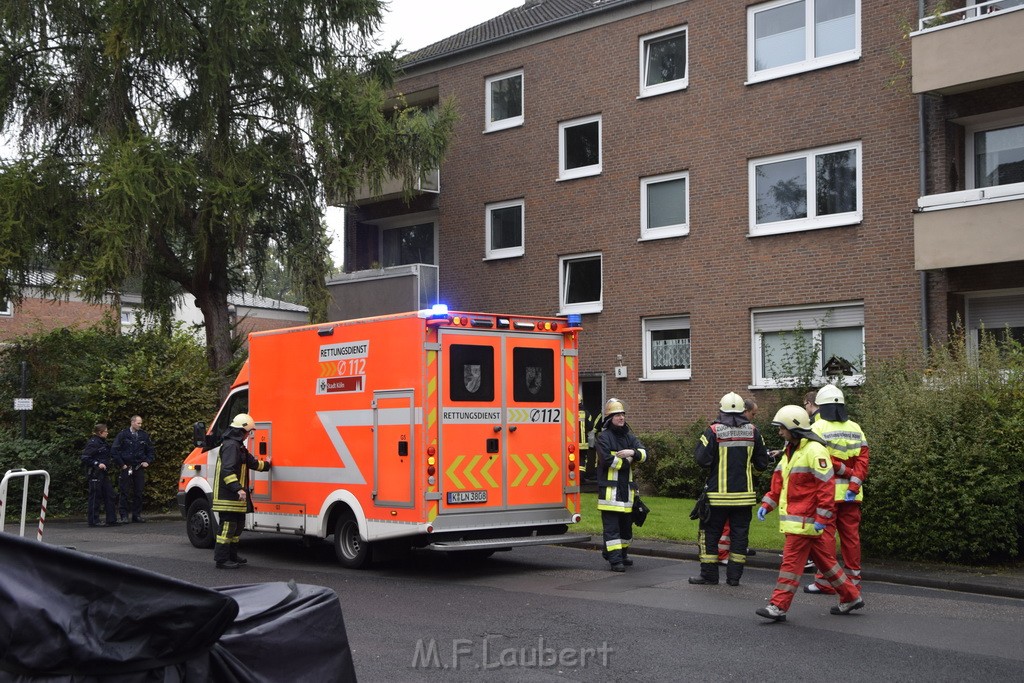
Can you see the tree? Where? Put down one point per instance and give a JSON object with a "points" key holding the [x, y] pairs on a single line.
{"points": [[175, 140]]}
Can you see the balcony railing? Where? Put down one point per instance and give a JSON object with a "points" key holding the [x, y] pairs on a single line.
{"points": [[969, 13]]}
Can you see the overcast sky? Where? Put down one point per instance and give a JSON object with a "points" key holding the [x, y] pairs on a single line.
{"points": [[418, 23]]}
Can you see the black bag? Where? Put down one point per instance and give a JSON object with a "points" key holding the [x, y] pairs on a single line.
{"points": [[640, 510], [702, 509]]}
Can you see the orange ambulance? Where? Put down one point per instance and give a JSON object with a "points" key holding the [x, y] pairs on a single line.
{"points": [[434, 429]]}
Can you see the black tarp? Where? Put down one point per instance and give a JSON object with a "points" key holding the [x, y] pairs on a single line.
{"points": [[69, 616]]}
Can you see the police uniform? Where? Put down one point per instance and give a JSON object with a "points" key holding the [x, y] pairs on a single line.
{"points": [[101, 490], [132, 448]]}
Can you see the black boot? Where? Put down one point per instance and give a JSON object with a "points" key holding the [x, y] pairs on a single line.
{"points": [[733, 572], [708, 575]]}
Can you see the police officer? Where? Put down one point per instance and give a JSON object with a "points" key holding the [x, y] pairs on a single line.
{"points": [[97, 461], [133, 453], [728, 447], [618, 450], [231, 497]]}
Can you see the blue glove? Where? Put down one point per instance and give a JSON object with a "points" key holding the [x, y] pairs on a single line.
{"points": [[850, 496], [762, 513], [818, 526]]}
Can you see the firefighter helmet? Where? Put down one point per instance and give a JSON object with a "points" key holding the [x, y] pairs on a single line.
{"points": [[792, 417], [828, 395], [243, 421], [731, 403], [613, 406]]}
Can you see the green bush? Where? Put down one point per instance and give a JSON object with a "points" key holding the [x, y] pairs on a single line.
{"points": [[670, 469], [80, 377], [947, 455], [67, 483]]}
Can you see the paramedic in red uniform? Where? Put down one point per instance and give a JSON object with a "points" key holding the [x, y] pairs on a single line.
{"points": [[803, 489]]}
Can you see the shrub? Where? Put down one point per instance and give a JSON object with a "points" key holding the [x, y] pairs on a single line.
{"points": [[67, 481], [947, 455], [671, 469], [80, 377]]}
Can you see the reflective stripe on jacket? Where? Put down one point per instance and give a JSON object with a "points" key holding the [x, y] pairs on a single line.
{"points": [[232, 475], [848, 447], [615, 475], [802, 488], [730, 450]]}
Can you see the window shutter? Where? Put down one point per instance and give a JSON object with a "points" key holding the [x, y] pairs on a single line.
{"points": [[995, 312], [809, 318]]}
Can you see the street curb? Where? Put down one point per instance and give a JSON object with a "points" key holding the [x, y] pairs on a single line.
{"points": [[770, 559]]}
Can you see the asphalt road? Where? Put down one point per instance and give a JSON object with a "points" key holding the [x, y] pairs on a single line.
{"points": [[556, 613]]}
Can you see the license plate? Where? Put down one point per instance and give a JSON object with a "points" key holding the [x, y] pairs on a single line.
{"points": [[456, 497]]}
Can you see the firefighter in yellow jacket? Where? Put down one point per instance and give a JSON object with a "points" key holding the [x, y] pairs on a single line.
{"points": [[231, 490], [618, 450]]}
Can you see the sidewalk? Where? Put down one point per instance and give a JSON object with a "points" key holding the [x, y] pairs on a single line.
{"points": [[1006, 582]]}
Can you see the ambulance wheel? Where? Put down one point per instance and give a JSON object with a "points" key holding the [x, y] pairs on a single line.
{"points": [[352, 551], [201, 524]]}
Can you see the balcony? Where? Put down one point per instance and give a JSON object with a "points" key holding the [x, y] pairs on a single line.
{"points": [[380, 291], [969, 48], [429, 182], [969, 228]]}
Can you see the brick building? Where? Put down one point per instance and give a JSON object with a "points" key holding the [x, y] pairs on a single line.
{"points": [[697, 178]]}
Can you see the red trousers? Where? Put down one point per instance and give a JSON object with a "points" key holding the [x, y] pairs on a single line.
{"points": [[847, 523], [724, 543], [794, 557]]}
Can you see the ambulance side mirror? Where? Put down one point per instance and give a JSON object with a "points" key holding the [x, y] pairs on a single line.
{"points": [[199, 434]]}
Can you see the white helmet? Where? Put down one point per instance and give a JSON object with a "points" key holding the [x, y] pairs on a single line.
{"points": [[244, 421], [792, 417], [613, 406], [731, 403], [829, 394]]}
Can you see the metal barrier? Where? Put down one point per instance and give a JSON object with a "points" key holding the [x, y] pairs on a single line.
{"points": [[22, 473]]}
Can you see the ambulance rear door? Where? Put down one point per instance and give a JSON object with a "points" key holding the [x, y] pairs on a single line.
{"points": [[501, 420]]}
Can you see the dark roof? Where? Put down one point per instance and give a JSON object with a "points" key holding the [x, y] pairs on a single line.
{"points": [[533, 15]]}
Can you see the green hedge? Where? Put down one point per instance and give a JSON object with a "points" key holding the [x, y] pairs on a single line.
{"points": [[80, 377], [947, 455]]}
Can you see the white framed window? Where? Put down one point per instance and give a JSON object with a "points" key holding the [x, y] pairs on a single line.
{"points": [[786, 37], [796, 343], [506, 229], [806, 190], [994, 149], [6, 309], [664, 66], [667, 348], [503, 99], [579, 283], [579, 147], [999, 313], [664, 206]]}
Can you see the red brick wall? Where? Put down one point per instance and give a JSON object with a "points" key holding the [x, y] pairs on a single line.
{"points": [[716, 274], [38, 315]]}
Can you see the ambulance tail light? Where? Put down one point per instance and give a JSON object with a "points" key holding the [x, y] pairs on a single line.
{"points": [[519, 325], [576, 518]]}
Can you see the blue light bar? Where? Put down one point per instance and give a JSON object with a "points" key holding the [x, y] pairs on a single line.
{"points": [[575, 320]]}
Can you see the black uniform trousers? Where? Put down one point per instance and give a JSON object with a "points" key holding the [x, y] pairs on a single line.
{"points": [[101, 492], [131, 483], [618, 532], [231, 525], [738, 517]]}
